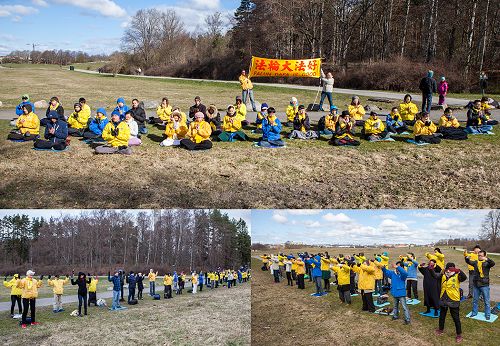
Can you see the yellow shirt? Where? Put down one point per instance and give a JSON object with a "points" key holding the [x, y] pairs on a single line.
{"points": [[241, 112], [28, 123], [12, 283], [408, 111], [164, 112], [152, 277], [178, 133], [245, 82], [168, 280], [473, 257], [451, 286], [291, 111], [421, 129], [93, 285], [374, 126], [58, 285], [343, 274], [29, 287], [123, 134], [444, 121], [231, 123], [356, 112], [330, 121], [79, 120], [199, 131]]}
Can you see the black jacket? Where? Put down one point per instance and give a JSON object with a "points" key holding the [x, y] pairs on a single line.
{"points": [[473, 117], [485, 266], [428, 85], [59, 110], [139, 115], [297, 123], [82, 283], [200, 108], [139, 279]]}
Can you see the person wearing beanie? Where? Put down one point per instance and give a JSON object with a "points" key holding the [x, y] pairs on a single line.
{"points": [[481, 282], [241, 110], [411, 265], [29, 287], [131, 280], [442, 91], [231, 127], [302, 126], [82, 281], [408, 110], [356, 111], [291, 111], [121, 108], [425, 130], [450, 277], [97, 125], [366, 283], [198, 135], [260, 116], [472, 257], [134, 130], [139, 116], [28, 126], [271, 130], [343, 131], [54, 105], [78, 121], [163, 112], [395, 123], [57, 285], [398, 276], [374, 128], [15, 293], [56, 133], [477, 121], [326, 124], [197, 107], [327, 81], [246, 89], [213, 118], [449, 126], [432, 286], [175, 130], [117, 134], [25, 100], [427, 86]]}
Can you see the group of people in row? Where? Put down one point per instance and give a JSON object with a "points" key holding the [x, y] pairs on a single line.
{"points": [[24, 291], [202, 125], [358, 274]]}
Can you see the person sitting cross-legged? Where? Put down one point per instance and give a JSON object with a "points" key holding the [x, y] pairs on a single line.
{"points": [[449, 126], [28, 126], [175, 131], [117, 134], [231, 126], [374, 128], [425, 130], [198, 135], [97, 124], [271, 129], [56, 133], [302, 126], [343, 132], [477, 122], [395, 123], [78, 121]]}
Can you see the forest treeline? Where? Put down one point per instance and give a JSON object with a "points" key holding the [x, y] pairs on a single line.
{"points": [[101, 240]]}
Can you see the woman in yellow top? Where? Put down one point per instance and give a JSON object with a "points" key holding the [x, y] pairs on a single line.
{"points": [[301, 272], [486, 108], [374, 128], [163, 113], [29, 287], [241, 111], [344, 135], [408, 110], [366, 283], [198, 135], [117, 134], [58, 289], [167, 286], [194, 282], [15, 293], [93, 290], [425, 130], [328, 128], [437, 256], [291, 111], [247, 89], [78, 120], [231, 127], [356, 111], [175, 131], [28, 126], [343, 272], [449, 126]]}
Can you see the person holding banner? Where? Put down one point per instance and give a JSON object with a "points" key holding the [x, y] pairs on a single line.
{"points": [[327, 91], [247, 89]]}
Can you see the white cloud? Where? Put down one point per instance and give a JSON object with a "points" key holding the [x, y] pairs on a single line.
{"points": [[304, 211], [340, 217], [312, 224], [16, 11], [279, 218], [447, 224], [107, 8], [41, 3], [391, 226], [423, 214], [204, 4], [386, 216]]}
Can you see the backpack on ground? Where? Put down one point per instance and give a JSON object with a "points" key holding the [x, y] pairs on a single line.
{"points": [[132, 302], [156, 297]]}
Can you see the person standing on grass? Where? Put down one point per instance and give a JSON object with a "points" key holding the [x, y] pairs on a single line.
{"points": [[366, 284], [481, 282], [117, 134], [327, 81], [176, 283], [398, 290], [29, 287], [316, 273], [450, 277], [275, 267], [472, 257], [326, 274], [140, 285], [442, 91], [15, 293], [152, 281], [58, 289], [411, 265], [301, 271], [182, 281], [343, 272], [246, 89], [229, 279], [82, 283], [201, 280], [93, 290], [167, 286], [194, 282], [56, 133], [427, 86], [132, 281], [432, 286], [28, 126], [115, 279], [288, 271]]}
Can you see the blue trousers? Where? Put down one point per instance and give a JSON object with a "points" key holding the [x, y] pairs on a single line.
{"points": [[485, 292], [323, 95]]}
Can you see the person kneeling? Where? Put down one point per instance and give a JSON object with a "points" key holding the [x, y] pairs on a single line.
{"points": [[231, 126], [395, 123], [28, 126], [425, 130], [56, 132], [343, 132], [301, 126], [175, 131], [198, 135], [117, 134], [374, 128], [271, 129], [449, 126]]}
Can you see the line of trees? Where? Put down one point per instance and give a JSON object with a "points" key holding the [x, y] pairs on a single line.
{"points": [[102, 240], [56, 57]]}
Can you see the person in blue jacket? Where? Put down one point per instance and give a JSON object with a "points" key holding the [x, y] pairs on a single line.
{"points": [[131, 280], [121, 108], [316, 273], [115, 279], [411, 266], [25, 100], [201, 280], [56, 132], [398, 289], [97, 125], [394, 122], [271, 129]]}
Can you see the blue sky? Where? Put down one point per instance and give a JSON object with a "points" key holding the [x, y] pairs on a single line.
{"points": [[92, 26], [363, 227]]}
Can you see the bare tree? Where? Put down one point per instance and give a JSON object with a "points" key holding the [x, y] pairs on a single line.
{"points": [[490, 229]]}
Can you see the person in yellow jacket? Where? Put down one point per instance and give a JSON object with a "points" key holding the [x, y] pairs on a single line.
{"points": [[374, 128], [356, 111], [28, 126], [57, 285], [168, 280], [163, 113], [246, 89], [437, 256], [175, 131], [425, 130], [301, 272], [294, 270], [449, 126], [29, 287], [194, 282], [231, 127], [291, 111], [241, 111], [472, 257], [152, 282], [408, 110], [198, 135], [92, 288], [379, 276], [366, 283], [15, 293], [450, 277], [330, 121], [78, 120], [344, 135], [343, 272], [117, 134], [486, 108], [326, 274]]}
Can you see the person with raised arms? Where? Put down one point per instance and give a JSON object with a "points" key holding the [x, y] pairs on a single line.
{"points": [[57, 285], [481, 282], [15, 293], [432, 286], [82, 281], [398, 290], [29, 287]]}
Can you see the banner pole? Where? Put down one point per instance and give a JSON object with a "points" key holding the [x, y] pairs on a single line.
{"points": [[316, 98]]}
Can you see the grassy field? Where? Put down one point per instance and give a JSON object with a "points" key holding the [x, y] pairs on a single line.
{"points": [[218, 317], [309, 174], [287, 316]]}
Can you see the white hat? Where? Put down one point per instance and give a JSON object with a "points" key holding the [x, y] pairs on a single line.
{"points": [[30, 273]]}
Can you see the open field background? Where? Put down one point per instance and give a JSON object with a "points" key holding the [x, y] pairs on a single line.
{"points": [[287, 316], [235, 175], [220, 316]]}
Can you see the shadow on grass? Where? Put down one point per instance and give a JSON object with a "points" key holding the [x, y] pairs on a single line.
{"points": [[155, 138]]}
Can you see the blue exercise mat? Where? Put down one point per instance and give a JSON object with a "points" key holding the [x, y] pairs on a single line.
{"points": [[387, 139], [19, 140], [52, 149], [256, 144], [412, 301], [319, 294], [354, 295], [118, 309], [412, 141], [481, 317], [380, 305], [430, 314]]}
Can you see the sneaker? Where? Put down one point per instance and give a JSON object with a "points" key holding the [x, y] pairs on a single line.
{"points": [[459, 339], [54, 311], [439, 332], [473, 314], [487, 318], [394, 318], [23, 326], [11, 315], [35, 323], [407, 322], [61, 310]]}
